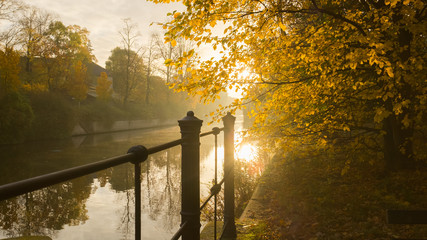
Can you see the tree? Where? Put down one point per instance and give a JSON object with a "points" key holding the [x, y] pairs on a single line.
{"points": [[9, 71], [9, 7], [15, 119], [166, 52], [77, 87], [320, 72], [51, 46], [151, 56], [33, 24], [64, 47], [103, 87], [125, 64], [9, 37], [127, 71], [8, 10]]}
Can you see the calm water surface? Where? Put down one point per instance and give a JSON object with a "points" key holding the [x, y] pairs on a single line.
{"points": [[101, 205]]}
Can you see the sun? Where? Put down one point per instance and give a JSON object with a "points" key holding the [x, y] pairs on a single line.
{"points": [[246, 152]]}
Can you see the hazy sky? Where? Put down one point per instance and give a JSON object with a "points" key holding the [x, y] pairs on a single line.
{"points": [[104, 19]]}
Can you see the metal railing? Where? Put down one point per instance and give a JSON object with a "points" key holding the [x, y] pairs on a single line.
{"points": [[190, 177]]}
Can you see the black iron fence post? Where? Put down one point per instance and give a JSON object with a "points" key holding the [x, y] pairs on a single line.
{"points": [[190, 176], [229, 230], [141, 154]]}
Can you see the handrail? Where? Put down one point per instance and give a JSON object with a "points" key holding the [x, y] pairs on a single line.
{"points": [[165, 146], [31, 184], [178, 233], [214, 131], [136, 155]]}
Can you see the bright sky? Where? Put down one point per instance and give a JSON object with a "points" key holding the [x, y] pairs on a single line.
{"points": [[104, 19]]}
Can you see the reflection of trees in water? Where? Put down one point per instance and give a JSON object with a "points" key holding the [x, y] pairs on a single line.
{"points": [[168, 185], [128, 216], [172, 192], [161, 199], [44, 211], [103, 178], [163, 187]]}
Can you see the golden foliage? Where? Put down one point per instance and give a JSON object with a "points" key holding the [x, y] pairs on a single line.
{"points": [[9, 70], [103, 87], [320, 70], [77, 86]]}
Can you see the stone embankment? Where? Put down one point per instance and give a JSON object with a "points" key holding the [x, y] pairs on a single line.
{"points": [[104, 127]]}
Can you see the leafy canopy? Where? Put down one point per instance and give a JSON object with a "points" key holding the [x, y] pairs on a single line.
{"points": [[319, 70]]}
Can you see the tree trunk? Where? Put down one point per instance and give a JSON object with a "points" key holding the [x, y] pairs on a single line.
{"points": [[398, 152], [398, 140], [147, 93]]}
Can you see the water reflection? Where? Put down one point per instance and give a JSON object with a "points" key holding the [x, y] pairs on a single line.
{"points": [[101, 205], [45, 211]]}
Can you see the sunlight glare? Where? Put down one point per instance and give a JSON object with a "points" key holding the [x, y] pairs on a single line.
{"points": [[246, 152]]}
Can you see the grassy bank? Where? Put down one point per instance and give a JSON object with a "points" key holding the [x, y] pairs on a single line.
{"points": [[311, 198]]}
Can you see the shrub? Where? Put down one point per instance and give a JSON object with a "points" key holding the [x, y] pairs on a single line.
{"points": [[15, 118], [54, 116]]}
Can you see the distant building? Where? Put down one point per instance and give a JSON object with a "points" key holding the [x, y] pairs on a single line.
{"points": [[94, 71]]}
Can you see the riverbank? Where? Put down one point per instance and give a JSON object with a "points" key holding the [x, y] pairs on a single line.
{"points": [[42, 115], [310, 198], [117, 126]]}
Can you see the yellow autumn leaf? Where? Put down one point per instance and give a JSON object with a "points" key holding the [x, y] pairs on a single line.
{"points": [[283, 27], [406, 122], [389, 71], [168, 62]]}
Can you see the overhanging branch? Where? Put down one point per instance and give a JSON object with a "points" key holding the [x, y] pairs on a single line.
{"points": [[340, 17]]}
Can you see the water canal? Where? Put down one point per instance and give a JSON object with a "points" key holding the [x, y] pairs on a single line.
{"points": [[101, 205]]}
